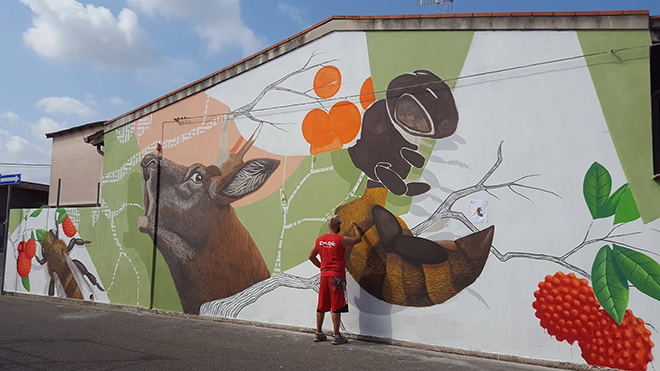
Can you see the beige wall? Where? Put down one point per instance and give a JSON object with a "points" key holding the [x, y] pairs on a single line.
{"points": [[79, 166]]}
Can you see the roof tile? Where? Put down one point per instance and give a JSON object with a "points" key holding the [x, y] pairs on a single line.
{"points": [[611, 12], [636, 12]]}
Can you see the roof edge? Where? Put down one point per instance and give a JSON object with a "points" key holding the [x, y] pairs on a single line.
{"points": [[75, 128], [30, 186], [614, 19]]}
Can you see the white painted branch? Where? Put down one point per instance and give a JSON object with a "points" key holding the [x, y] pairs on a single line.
{"points": [[231, 306]]}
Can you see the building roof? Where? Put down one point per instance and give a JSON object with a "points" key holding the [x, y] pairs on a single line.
{"points": [[588, 20], [29, 186], [76, 128]]}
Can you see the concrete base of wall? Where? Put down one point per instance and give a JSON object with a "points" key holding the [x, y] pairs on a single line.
{"points": [[436, 348]]}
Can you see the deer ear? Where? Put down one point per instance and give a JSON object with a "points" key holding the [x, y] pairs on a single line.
{"points": [[247, 179]]}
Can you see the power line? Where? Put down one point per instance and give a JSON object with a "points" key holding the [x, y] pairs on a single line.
{"points": [[13, 164], [479, 74]]}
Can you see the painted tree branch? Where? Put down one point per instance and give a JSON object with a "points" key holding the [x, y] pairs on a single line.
{"points": [[249, 109], [231, 306], [444, 211]]}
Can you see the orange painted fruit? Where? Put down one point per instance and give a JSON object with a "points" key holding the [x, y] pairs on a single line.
{"points": [[327, 81]]}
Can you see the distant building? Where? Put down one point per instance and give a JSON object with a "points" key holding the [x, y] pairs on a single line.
{"points": [[23, 195], [76, 167]]}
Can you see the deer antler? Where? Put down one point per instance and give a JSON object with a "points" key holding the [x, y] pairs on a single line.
{"points": [[227, 161], [224, 149]]}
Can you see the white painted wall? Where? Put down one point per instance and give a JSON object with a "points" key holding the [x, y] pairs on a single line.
{"points": [[551, 122]]}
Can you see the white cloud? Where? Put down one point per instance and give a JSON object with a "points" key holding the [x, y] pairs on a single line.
{"points": [[290, 11], [65, 105], [69, 30], [116, 101], [218, 22], [17, 149], [45, 125], [9, 115], [16, 145]]}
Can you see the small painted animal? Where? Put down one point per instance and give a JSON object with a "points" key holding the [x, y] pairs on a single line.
{"points": [[65, 272], [188, 214], [399, 268]]}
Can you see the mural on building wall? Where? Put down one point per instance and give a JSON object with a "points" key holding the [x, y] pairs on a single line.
{"points": [[608, 333], [209, 252], [250, 168], [48, 261], [390, 263]]}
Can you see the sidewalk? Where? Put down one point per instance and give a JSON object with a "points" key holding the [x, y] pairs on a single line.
{"points": [[39, 335]]}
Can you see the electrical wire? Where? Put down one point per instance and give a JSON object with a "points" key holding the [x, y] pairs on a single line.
{"points": [[480, 74], [13, 164]]}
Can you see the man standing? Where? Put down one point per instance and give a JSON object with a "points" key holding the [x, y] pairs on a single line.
{"points": [[332, 292]]}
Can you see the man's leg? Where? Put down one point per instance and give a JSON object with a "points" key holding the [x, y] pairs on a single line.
{"points": [[336, 320], [319, 321]]}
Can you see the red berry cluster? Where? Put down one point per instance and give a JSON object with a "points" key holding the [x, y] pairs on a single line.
{"points": [[566, 306], [568, 310], [68, 228], [626, 346], [26, 251]]}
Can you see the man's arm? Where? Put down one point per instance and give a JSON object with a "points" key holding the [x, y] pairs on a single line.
{"points": [[357, 236], [313, 258]]}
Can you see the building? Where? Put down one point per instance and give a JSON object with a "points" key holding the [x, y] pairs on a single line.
{"points": [[24, 195], [76, 167], [500, 166]]}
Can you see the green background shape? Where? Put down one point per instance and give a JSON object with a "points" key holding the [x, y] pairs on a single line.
{"points": [[622, 82], [316, 198], [138, 245], [392, 53]]}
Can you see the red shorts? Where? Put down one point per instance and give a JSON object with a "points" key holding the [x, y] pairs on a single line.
{"points": [[332, 295]]}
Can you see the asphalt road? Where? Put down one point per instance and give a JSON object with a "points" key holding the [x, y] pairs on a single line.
{"points": [[45, 335]]}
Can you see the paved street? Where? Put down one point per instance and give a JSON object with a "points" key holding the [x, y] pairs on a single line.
{"points": [[40, 335]]}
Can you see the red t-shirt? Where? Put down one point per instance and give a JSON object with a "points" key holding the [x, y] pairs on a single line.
{"points": [[331, 249]]}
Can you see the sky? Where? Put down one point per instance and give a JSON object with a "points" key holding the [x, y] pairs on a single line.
{"points": [[65, 63]]}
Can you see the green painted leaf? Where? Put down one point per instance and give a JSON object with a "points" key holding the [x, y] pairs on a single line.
{"points": [[642, 271], [61, 215], [609, 207], [596, 187], [26, 282], [610, 286], [32, 235], [40, 235], [627, 209], [35, 213]]}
